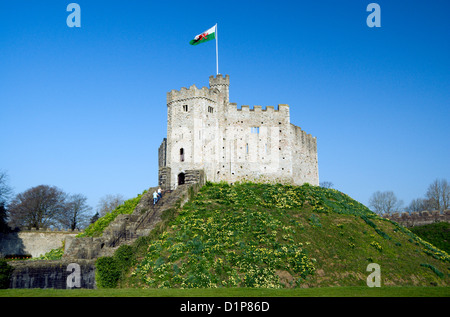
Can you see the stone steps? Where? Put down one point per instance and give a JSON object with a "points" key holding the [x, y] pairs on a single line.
{"points": [[126, 228]]}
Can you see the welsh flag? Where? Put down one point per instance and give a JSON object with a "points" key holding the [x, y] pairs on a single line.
{"points": [[205, 36]]}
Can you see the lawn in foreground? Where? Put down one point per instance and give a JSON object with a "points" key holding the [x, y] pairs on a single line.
{"points": [[236, 292]]}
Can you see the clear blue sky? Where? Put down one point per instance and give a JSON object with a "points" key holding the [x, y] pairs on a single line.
{"points": [[84, 108]]}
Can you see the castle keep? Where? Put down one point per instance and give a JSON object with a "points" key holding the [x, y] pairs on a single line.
{"points": [[209, 137]]}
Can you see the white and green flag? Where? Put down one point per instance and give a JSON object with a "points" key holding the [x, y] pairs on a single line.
{"points": [[205, 36], [208, 35]]}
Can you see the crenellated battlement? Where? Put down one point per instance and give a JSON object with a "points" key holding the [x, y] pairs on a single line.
{"points": [[282, 108], [218, 85], [219, 80], [191, 93]]}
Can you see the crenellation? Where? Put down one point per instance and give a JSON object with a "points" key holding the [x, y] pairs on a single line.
{"points": [[283, 107], [192, 92], [219, 80]]}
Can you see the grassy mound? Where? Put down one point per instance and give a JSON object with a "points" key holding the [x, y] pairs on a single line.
{"points": [[275, 236]]}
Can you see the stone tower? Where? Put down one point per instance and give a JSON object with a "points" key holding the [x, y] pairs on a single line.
{"points": [[207, 136]]}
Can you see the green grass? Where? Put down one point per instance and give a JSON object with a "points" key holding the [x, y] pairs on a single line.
{"points": [[237, 292]]}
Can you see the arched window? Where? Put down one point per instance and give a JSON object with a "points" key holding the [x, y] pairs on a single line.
{"points": [[181, 155]]}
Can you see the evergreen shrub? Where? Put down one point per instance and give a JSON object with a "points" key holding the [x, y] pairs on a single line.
{"points": [[107, 272], [5, 273]]}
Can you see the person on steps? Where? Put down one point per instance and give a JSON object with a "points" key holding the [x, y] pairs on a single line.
{"points": [[159, 193], [155, 197]]}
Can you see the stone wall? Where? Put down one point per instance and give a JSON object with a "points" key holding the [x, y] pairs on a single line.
{"points": [[34, 243], [51, 274], [162, 153], [420, 218], [195, 177], [164, 174], [304, 157], [258, 144]]}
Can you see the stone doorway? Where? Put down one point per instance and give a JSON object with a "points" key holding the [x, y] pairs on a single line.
{"points": [[181, 179]]}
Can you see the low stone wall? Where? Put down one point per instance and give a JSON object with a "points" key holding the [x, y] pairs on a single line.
{"points": [[34, 243], [420, 218], [52, 274], [194, 177]]}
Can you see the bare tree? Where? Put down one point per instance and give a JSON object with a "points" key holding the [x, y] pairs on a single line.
{"points": [[385, 203], [416, 205], [76, 212], [5, 195], [36, 207], [438, 194], [4, 228], [108, 203], [5, 189], [326, 184]]}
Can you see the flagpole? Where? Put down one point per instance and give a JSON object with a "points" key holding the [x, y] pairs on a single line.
{"points": [[217, 52]]}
